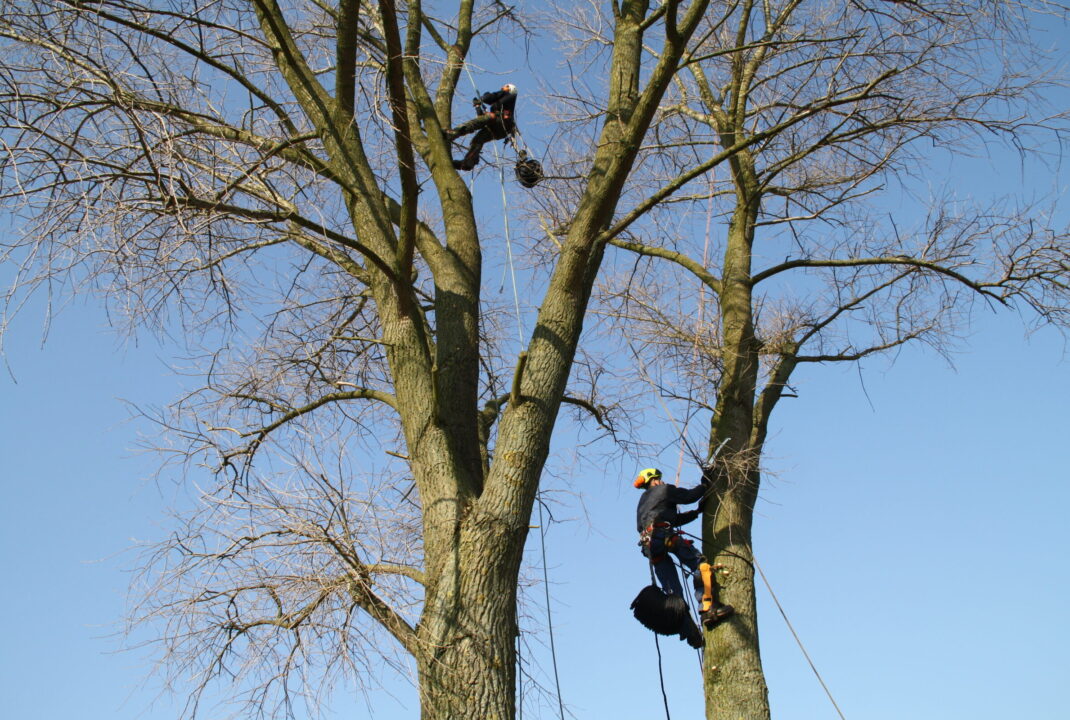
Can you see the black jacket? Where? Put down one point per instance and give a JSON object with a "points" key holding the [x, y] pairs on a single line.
{"points": [[658, 504], [501, 103]]}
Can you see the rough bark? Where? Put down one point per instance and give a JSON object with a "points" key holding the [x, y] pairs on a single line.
{"points": [[735, 683]]}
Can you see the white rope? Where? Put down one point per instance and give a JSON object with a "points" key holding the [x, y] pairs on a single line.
{"points": [[798, 640], [520, 339], [509, 248]]}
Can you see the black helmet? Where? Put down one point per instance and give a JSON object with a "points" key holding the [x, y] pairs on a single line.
{"points": [[528, 171]]}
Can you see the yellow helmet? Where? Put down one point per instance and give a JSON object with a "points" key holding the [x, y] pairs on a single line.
{"points": [[646, 476]]}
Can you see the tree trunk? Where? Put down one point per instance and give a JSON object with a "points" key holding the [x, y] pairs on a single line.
{"points": [[467, 634], [471, 671], [734, 681]]}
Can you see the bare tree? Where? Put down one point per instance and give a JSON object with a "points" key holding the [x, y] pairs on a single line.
{"points": [[801, 252], [274, 181]]}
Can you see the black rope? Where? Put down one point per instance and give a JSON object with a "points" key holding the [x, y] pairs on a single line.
{"points": [[519, 677], [692, 606], [657, 646], [661, 677]]}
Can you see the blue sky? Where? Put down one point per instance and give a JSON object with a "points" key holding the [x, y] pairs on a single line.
{"points": [[913, 530]]}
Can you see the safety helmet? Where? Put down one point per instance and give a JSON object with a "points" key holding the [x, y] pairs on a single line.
{"points": [[646, 476], [509, 88]]}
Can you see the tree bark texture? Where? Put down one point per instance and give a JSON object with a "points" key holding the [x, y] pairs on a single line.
{"points": [[734, 680]]}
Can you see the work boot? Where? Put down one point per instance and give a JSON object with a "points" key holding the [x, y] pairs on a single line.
{"points": [[716, 615]]}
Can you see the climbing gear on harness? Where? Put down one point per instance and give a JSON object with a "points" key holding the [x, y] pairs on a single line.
{"points": [[710, 610], [668, 536], [507, 114], [646, 476], [528, 170]]}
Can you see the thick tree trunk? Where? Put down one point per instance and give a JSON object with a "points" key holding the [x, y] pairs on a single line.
{"points": [[467, 635], [475, 527], [734, 680], [470, 674]]}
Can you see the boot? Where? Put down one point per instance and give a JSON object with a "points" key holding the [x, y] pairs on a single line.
{"points": [[716, 614]]}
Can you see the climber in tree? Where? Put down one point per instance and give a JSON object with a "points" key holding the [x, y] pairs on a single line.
{"points": [[657, 519], [496, 123]]}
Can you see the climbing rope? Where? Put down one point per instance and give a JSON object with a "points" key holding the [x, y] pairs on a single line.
{"points": [[520, 338], [509, 253], [657, 646], [776, 601], [692, 604], [661, 677], [549, 617], [798, 640], [519, 679]]}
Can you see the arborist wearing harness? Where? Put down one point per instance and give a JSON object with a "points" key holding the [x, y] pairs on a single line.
{"points": [[496, 123], [657, 519]]}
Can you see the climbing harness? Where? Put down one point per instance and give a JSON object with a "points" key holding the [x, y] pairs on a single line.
{"points": [[647, 535], [710, 612]]}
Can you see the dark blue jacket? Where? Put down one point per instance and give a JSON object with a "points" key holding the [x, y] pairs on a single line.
{"points": [[658, 504], [501, 103]]}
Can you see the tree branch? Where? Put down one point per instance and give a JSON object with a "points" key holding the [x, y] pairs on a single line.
{"points": [[685, 261], [981, 288]]}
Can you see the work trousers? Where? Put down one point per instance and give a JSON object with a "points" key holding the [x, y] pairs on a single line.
{"points": [[666, 541], [487, 127]]}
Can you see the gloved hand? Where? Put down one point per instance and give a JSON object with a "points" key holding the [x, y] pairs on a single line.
{"points": [[477, 103]]}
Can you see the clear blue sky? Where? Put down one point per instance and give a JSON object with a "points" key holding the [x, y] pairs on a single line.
{"points": [[914, 530], [919, 545]]}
